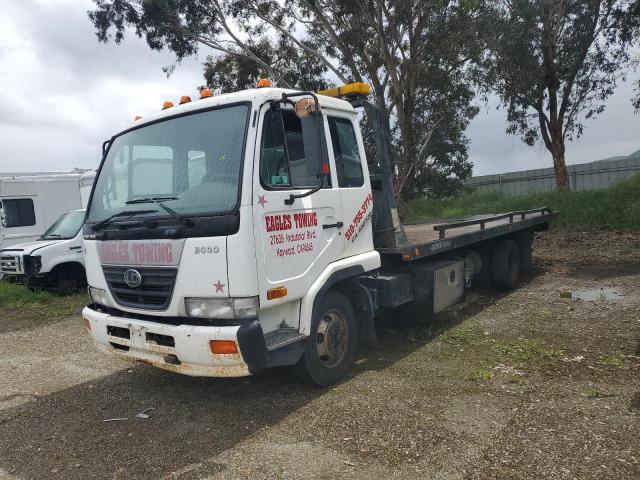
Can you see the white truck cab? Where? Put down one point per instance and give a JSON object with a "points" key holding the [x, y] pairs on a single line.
{"points": [[235, 233], [29, 204], [55, 261]]}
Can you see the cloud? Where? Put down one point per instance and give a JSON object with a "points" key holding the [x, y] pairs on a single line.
{"points": [[62, 93], [613, 133]]}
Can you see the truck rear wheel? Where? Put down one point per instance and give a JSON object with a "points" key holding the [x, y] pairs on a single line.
{"points": [[331, 347], [505, 265]]}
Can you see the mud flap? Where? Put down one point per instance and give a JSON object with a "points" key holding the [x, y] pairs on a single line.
{"points": [[253, 347]]}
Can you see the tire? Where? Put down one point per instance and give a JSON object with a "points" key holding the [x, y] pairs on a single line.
{"points": [[331, 347], [525, 248], [66, 286], [505, 265], [483, 278]]}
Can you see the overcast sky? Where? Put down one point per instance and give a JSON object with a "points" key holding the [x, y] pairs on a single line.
{"points": [[62, 93]]}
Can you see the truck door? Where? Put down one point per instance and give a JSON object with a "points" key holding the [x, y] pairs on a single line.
{"points": [[347, 150], [295, 242]]}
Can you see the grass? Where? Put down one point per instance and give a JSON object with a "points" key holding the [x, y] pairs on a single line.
{"points": [[613, 209], [487, 351], [14, 298]]}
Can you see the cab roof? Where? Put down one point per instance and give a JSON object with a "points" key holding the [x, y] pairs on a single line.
{"points": [[254, 95]]}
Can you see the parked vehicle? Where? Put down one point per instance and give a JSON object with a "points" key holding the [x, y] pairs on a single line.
{"points": [[55, 261], [30, 204], [244, 231]]}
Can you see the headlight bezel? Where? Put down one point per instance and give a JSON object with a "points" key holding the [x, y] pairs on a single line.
{"points": [[97, 295], [232, 308]]}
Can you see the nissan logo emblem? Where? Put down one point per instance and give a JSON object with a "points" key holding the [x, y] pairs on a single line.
{"points": [[132, 278]]}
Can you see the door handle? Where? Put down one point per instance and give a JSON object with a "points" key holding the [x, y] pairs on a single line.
{"points": [[332, 225], [75, 248]]}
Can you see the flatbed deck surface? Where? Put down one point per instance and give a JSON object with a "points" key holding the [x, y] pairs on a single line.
{"points": [[423, 232], [431, 238]]}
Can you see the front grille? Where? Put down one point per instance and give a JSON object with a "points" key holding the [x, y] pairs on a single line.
{"points": [[10, 264], [154, 293]]}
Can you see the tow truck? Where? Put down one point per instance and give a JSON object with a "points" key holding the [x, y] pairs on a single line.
{"points": [[247, 230]]}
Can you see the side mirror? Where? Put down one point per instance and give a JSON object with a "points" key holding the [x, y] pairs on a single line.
{"points": [[313, 137]]}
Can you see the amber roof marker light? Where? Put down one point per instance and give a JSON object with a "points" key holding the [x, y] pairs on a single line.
{"points": [[264, 82], [185, 99], [167, 104], [349, 89], [206, 93]]}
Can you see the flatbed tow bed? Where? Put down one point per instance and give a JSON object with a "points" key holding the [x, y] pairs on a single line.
{"points": [[430, 239]]}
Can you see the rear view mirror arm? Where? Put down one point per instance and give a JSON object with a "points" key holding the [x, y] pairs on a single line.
{"points": [[292, 197]]}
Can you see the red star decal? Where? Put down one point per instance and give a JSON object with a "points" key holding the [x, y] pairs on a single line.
{"points": [[262, 200], [219, 286]]}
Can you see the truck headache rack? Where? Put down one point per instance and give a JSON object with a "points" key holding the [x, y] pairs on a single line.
{"points": [[443, 227]]}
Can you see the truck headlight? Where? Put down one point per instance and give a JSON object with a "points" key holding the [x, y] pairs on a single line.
{"points": [[225, 308], [98, 295], [36, 263]]}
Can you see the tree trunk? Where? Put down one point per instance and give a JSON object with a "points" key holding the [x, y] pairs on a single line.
{"points": [[560, 168]]}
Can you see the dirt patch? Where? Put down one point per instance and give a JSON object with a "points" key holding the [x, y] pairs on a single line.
{"points": [[521, 385]]}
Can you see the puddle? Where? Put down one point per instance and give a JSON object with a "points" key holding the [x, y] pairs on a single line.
{"points": [[595, 295]]}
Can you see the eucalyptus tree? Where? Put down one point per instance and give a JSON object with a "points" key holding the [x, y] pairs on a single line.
{"points": [[554, 63], [414, 54]]}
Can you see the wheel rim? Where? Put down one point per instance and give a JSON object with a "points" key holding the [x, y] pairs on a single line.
{"points": [[332, 338]]}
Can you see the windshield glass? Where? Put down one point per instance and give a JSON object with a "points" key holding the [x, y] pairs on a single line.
{"points": [[190, 163], [67, 226]]}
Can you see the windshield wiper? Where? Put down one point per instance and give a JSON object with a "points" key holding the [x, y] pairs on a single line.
{"points": [[51, 236], [128, 213], [187, 222]]}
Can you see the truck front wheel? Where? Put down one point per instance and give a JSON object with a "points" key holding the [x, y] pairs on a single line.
{"points": [[505, 265], [331, 347]]}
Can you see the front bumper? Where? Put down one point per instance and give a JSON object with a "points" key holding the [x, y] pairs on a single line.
{"points": [[180, 348]]}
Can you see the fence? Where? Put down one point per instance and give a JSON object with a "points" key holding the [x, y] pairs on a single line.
{"points": [[585, 176]]}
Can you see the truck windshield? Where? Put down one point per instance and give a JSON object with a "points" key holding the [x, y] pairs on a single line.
{"points": [[191, 163], [67, 226]]}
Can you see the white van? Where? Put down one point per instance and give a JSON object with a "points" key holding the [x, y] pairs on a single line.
{"points": [[55, 261], [30, 204]]}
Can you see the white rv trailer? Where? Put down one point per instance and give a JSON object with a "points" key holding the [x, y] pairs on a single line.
{"points": [[30, 204]]}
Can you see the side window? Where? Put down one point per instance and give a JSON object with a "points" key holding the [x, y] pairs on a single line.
{"points": [[283, 160], [274, 167], [18, 213], [346, 153]]}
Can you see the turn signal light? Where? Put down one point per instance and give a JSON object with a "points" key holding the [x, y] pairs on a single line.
{"points": [[264, 82], [223, 347], [167, 104], [87, 324], [278, 292], [205, 93], [185, 99]]}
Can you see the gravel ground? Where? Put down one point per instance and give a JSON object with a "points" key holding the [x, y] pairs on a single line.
{"points": [[523, 385]]}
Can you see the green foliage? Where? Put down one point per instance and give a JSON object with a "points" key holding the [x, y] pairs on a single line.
{"points": [[615, 209], [593, 392], [554, 64], [481, 375], [489, 355], [235, 72], [18, 297], [415, 54]]}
